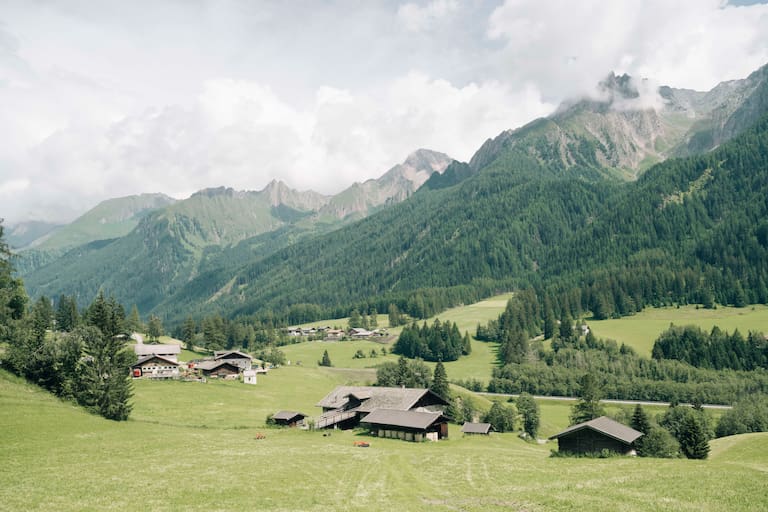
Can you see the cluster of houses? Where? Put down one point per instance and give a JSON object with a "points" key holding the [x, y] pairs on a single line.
{"points": [[332, 334], [162, 362], [415, 414]]}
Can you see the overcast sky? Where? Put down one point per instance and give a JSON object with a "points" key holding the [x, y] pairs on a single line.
{"points": [[102, 99]]}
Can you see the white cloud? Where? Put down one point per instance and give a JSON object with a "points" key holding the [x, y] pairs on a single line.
{"points": [[566, 47], [416, 18]]}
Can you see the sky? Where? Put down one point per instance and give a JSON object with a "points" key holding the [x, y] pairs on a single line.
{"points": [[112, 98]]}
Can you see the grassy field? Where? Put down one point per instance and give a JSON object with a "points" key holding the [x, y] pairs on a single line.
{"points": [[193, 447], [478, 366], [642, 329]]}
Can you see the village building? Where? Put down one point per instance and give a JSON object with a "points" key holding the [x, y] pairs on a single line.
{"points": [[249, 377], [334, 334], [407, 425], [597, 435], [289, 418], [345, 406], [167, 351], [155, 367], [360, 333], [239, 359], [218, 369], [476, 428]]}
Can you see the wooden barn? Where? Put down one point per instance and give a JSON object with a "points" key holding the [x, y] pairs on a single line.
{"points": [[597, 435], [476, 428], [219, 369], [345, 406], [407, 425], [289, 418], [235, 357]]}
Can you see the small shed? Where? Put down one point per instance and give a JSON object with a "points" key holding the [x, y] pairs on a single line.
{"points": [[249, 377], [408, 425], [597, 435], [476, 428], [289, 418]]}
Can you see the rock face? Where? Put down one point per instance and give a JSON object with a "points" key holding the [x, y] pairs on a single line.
{"points": [[394, 186], [628, 126]]}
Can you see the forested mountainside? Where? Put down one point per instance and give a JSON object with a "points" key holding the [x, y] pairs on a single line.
{"points": [[691, 229], [547, 204], [214, 229]]}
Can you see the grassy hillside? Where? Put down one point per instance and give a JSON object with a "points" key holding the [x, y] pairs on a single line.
{"points": [[55, 456], [641, 330]]}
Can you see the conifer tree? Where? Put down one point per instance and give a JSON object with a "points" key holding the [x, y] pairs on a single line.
{"points": [[640, 421], [440, 384], [326, 360], [529, 409], [693, 438], [154, 328], [588, 407]]}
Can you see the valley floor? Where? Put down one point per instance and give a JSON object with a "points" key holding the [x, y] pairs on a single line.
{"points": [[193, 446]]}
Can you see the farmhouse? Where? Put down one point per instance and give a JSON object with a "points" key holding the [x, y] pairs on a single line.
{"points": [[597, 435], [476, 428], [408, 425], [218, 369], [345, 406], [155, 367], [289, 418], [239, 359], [167, 351]]}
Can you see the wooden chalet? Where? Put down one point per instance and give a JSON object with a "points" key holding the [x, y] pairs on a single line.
{"points": [[407, 425], [240, 359], [155, 367], [476, 428], [597, 435], [167, 351], [345, 406], [289, 418], [218, 369]]}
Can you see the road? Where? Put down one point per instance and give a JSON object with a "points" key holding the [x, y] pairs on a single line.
{"points": [[618, 402]]}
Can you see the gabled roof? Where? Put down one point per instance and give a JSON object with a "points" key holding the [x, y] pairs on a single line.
{"points": [[230, 354], [605, 426], [398, 418], [476, 428], [165, 360], [287, 415], [377, 397], [212, 365], [145, 349]]}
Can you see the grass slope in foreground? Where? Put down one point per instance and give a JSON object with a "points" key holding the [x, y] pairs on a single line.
{"points": [[54, 456]]}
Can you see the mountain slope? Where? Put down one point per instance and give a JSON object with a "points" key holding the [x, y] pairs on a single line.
{"points": [[213, 230], [24, 233]]}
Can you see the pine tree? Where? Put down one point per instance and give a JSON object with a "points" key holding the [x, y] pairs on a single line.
{"points": [[355, 320], [133, 323], [372, 320], [466, 345], [105, 385], [326, 360], [188, 331], [67, 317], [588, 407], [640, 421], [693, 439], [440, 384]]}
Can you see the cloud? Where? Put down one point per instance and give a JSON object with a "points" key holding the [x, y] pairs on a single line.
{"points": [[567, 47], [417, 19], [242, 134]]}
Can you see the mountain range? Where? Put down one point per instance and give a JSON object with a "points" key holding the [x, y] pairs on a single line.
{"points": [[535, 205]]}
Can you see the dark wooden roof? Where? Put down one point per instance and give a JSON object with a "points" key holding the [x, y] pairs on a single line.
{"points": [[398, 418], [287, 415], [605, 426], [230, 354], [150, 357], [212, 365], [378, 397], [476, 428]]}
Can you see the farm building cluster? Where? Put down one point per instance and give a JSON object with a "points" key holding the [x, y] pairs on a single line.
{"points": [[162, 362], [328, 333]]}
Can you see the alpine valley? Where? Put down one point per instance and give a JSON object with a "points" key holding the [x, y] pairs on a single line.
{"points": [[631, 197]]}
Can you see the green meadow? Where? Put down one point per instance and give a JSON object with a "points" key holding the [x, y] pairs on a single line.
{"points": [[191, 446], [642, 329]]}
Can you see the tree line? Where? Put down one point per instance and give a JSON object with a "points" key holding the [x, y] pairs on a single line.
{"points": [[440, 341]]}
